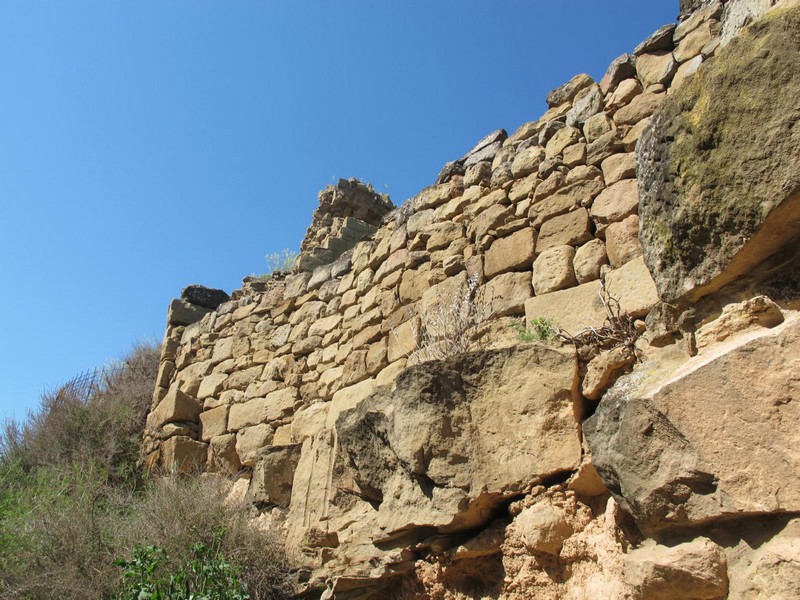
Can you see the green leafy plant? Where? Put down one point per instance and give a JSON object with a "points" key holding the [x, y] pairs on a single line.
{"points": [[539, 329], [207, 575]]}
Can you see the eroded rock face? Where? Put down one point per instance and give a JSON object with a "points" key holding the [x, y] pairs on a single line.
{"points": [[692, 447], [437, 454], [719, 172]]}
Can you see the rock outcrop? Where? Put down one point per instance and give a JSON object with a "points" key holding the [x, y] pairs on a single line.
{"points": [[644, 447]]}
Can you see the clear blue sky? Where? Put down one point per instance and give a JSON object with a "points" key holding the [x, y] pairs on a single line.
{"points": [[149, 144]]}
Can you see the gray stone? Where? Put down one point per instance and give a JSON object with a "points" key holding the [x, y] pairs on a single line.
{"points": [[183, 313], [658, 41], [202, 296], [569, 90]]}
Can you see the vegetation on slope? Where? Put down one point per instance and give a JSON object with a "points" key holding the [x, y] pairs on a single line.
{"points": [[77, 513]]}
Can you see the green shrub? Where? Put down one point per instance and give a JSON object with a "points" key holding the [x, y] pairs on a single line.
{"points": [[539, 329], [206, 576]]}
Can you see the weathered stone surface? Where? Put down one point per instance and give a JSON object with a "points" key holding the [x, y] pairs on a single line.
{"points": [[641, 107], [772, 570], [543, 527], [668, 445], [622, 241], [569, 90], [222, 457], [505, 295], [694, 570], [183, 313], [213, 423], [527, 161], [348, 398], [616, 202], [603, 369], [718, 169], [633, 287], [661, 39], [626, 91], [273, 474], [596, 126], [589, 260], [560, 140], [741, 316], [573, 228], [211, 385], [310, 420], [588, 102], [262, 410], [181, 454], [571, 309], [621, 68], [437, 450], [511, 253], [656, 68], [250, 441], [570, 197], [619, 166], [553, 270], [175, 406], [200, 295]]}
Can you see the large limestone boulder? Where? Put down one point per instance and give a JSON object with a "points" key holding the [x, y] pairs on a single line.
{"points": [[718, 168], [713, 439]]}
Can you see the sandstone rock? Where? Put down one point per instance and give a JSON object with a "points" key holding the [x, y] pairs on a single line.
{"points": [[773, 569], [658, 41], [626, 91], [549, 129], [491, 218], [511, 253], [574, 155], [569, 90], [273, 474], [553, 270], [656, 68], [759, 311], [603, 369], [570, 197], [588, 102], [202, 296], [213, 423], [176, 406], [348, 398], [562, 138], [616, 202], [309, 420], [622, 241], [222, 457], [250, 440], [586, 482], [633, 287], [527, 161], [543, 527], [588, 261], [641, 107], [573, 228], [571, 309], [685, 71], [606, 145], [718, 173], [673, 458], [693, 43], [437, 448], [183, 313], [478, 174], [211, 385], [622, 67], [505, 295], [694, 570], [181, 454], [262, 410], [618, 167], [595, 126]]}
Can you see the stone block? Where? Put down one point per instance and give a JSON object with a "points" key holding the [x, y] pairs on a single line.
{"points": [[633, 287], [213, 423], [505, 295], [572, 309], [511, 253], [553, 270], [181, 454], [622, 241], [573, 228]]}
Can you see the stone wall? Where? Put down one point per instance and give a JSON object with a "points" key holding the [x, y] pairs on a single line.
{"points": [[289, 385]]}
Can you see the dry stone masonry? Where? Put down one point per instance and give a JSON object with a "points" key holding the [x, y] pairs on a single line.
{"points": [[664, 194]]}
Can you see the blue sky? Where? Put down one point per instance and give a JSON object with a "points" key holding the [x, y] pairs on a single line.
{"points": [[149, 144]]}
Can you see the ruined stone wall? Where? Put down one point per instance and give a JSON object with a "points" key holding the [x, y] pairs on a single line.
{"points": [[534, 220], [289, 384]]}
